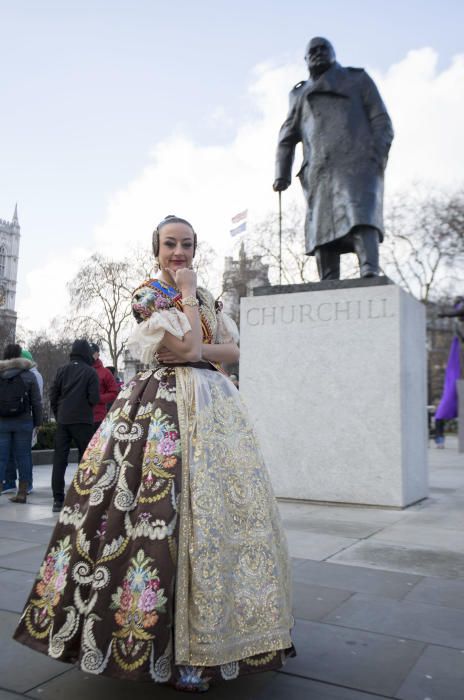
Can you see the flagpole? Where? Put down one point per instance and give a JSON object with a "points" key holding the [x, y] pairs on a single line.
{"points": [[280, 237]]}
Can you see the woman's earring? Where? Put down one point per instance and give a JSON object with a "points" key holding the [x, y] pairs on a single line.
{"points": [[157, 267]]}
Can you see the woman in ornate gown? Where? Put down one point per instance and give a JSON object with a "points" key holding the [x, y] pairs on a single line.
{"points": [[168, 562]]}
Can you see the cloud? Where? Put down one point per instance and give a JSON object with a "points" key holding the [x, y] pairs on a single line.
{"points": [[206, 184], [48, 296], [209, 184], [427, 108]]}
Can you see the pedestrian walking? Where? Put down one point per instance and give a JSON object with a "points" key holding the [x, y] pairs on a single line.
{"points": [[73, 395], [20, 413], [108, 386]]}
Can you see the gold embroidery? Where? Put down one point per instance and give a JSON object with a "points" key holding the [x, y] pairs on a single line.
{"points": [[239, 602], [185, 411], [262, 660]]}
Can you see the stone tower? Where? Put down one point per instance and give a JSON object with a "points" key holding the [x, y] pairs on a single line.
{"points": [[240, 278], [9, 252]]}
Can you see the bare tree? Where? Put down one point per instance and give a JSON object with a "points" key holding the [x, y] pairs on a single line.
{"points": [[424, 243], [264, 241], [101, 303], [423, 249], [48, 354], [297, 267]]}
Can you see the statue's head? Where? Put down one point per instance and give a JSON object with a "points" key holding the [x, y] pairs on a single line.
{"points": [[319, 56]]}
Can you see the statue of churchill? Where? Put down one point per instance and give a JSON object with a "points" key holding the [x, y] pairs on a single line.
{"points": [[346, 133]]}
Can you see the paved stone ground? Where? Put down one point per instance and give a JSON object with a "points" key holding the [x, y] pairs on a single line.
{"points": [[378, 601]]}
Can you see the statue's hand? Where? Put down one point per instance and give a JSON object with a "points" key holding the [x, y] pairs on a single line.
{"points": [[280, 185]]}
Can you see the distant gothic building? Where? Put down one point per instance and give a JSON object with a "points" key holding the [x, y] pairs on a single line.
{"points": [[240, 278], [9, 251]]}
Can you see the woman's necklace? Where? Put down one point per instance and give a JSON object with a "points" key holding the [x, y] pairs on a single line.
{"points": [[168, 284]]}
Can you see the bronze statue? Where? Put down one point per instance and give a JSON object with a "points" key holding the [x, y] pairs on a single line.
{"points": [[346, 134]]}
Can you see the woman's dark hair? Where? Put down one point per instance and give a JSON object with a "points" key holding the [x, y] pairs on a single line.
{"points": [[171, 219], [11, 351]]}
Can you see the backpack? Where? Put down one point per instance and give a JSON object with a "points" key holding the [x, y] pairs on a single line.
{"points": [[14, 397]]}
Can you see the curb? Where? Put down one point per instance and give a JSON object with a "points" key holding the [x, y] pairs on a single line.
{"points": [[41, 457]]}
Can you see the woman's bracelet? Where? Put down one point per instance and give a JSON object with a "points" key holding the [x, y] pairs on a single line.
{"points": [[189, 301]]}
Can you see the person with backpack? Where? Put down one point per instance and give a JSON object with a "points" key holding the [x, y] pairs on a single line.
{"points": [[9, 485], [20, 413], [73, 395]]}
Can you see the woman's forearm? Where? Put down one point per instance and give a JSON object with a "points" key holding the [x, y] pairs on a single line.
{"points": [[221, 352], [188, 348]]}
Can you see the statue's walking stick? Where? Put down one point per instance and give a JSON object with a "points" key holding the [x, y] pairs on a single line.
{"points": [[280, 237]]}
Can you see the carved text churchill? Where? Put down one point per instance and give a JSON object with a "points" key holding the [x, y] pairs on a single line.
{"points": [[326, 312]]}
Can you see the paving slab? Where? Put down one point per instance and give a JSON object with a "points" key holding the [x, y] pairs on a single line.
{"points": [[439, 591], [25, 560], [15, 587], [440, 517], [424, 535], [356, 579], [411, 620], [28, 532], [328, 526], [6, 695], [315, 602], [295, 688], [8, 546], [423, 561], [24, 513], [21, 668], [352, 513], [437, 675], [49, 522], [315, 546], [354, 659], [77, 685]]}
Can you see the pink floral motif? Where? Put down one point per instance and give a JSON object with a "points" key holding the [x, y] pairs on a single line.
{"points": [[161, 302], [166, 446], [53, 575], [139, 600], [103, 525], [148, 600], [147, 300]]}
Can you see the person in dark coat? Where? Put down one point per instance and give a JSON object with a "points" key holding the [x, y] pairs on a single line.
{"points": [[109, 388], [346, 133], [9, 485], [73, 395], [20, 413]]}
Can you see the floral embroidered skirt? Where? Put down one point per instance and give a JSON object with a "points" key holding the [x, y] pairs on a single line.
{"points": [[168, 561]]}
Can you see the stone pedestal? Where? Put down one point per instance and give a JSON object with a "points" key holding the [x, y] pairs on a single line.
{"points": [[335, 381]]}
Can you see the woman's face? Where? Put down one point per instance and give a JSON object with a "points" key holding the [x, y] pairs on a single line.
{"points": [[175, 246]]}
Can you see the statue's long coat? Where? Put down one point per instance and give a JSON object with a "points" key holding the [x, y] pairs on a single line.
{"points": [[346, 134]]}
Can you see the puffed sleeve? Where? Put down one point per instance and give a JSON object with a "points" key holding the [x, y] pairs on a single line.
{"points": [[227, 331], [148, 335]]}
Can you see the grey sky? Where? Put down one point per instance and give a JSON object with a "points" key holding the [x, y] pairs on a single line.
{"points": [[89, 87]]}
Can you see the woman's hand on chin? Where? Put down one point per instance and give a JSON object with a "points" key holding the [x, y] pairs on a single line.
{"points": [[185, 280]]}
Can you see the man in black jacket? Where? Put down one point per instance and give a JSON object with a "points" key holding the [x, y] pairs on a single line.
{"points": [[73, 395]]}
